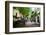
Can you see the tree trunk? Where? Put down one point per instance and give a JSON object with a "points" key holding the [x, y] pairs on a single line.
{"points": [[36, 19]]}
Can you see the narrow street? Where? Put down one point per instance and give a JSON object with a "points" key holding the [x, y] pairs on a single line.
{"points": [[32, 24], [28, 23]]}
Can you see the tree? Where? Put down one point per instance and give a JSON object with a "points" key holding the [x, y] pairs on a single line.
{"points": [[24, 11], [35, 14]]}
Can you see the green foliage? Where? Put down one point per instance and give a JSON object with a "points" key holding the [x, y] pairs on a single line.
{"points": [[34, 14], [27, 12], [24, 10]]}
